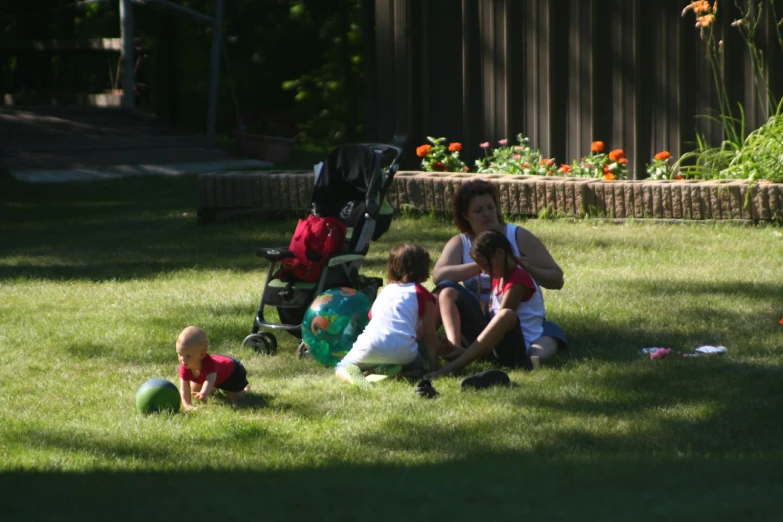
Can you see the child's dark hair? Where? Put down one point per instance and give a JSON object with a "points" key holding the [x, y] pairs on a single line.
{"points": [[465, 194], [408, 263], [487, 242]]}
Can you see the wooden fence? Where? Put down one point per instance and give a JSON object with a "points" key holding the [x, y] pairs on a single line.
{"points": [[632, 73]]}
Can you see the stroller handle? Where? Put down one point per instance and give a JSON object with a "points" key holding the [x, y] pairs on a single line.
{"points": [[383, 148]]}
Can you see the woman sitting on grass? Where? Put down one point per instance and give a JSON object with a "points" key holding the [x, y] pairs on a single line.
{"points": [[515, 320], [463, 307]]}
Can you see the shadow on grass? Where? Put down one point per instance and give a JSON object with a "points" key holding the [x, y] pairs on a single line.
{"points": [[126, 229], [681, 406], [254, 400], [491, 486], [129, 247], [710, 407]]}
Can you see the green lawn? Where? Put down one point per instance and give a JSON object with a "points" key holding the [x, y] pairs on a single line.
{"points": [[97, 280]]}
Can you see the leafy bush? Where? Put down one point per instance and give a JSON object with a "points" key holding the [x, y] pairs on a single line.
{"points": [[514, 159], [660, 168], [439, 157], [741, 155], [598, 164]]}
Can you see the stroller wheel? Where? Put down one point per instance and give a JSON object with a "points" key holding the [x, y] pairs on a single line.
{"points": [[264, 342]]}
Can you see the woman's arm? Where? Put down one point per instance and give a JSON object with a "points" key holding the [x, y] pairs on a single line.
{"points": [[537, 261], [449, 265]]}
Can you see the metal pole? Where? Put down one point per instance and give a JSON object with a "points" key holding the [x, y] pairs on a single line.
{"points": [[128, 65], [214, 72]]}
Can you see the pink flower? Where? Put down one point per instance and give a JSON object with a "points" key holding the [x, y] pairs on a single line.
{"points": [[484, 145], [516, 156], [503, 142]]}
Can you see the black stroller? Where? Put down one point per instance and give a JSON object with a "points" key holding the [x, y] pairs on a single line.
{"points": [[351, 186]]}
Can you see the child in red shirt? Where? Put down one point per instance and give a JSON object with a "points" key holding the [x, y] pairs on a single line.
{"points": [[207, 372]]}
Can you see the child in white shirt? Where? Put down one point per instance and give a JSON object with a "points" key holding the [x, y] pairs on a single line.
{"points": [[390, 336]]}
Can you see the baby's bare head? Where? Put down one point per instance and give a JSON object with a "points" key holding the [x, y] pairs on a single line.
{"points": [[192, 337]]}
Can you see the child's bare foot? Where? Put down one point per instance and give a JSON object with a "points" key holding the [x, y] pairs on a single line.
{"points": [[451, 351], [434, 375], [444, 346], [448, 350], [239, 397]]}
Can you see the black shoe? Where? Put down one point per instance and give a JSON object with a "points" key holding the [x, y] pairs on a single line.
{"points": [[425, 389], [486, 379]]}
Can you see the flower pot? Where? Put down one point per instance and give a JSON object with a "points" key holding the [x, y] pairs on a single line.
{"points": [[269, 148]]}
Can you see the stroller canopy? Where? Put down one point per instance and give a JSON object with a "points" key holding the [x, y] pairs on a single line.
{"points": [[349, 173]]}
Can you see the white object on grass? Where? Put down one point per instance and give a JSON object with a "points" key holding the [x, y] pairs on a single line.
{"points": [[711, 350]]}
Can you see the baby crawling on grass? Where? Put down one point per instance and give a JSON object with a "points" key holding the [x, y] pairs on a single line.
{"points": [[201, 373]]}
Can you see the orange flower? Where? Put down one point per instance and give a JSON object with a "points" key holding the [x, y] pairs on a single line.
{"points": [[455, 147], [663, 155], [781, 322], [623, 161], [677, 176], [526, 165], [465, 169], [439, 166], [616, 154], [423, 150], [606, 169], [597, 146], [698, 7], [565, 169], [609, 176], [546, 161], [705, 21]]}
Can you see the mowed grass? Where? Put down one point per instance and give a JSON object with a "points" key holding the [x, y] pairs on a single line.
{"points": [[97, 280]]}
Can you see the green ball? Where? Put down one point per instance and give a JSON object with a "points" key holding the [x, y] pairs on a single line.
{"points": [[333, 322], [157, 395]]}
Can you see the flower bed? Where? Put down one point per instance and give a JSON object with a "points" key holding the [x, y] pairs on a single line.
{"points": [[274, 191]]}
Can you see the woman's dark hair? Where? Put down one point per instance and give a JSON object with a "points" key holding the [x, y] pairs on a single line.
{"points": [[408, 263], [486, 243], [463, 197]]}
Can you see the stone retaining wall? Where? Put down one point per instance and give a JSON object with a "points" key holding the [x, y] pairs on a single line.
{"points": [[274, 191]]}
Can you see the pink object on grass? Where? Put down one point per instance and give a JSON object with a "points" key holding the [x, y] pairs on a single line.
{"points": [[660, 353]]}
